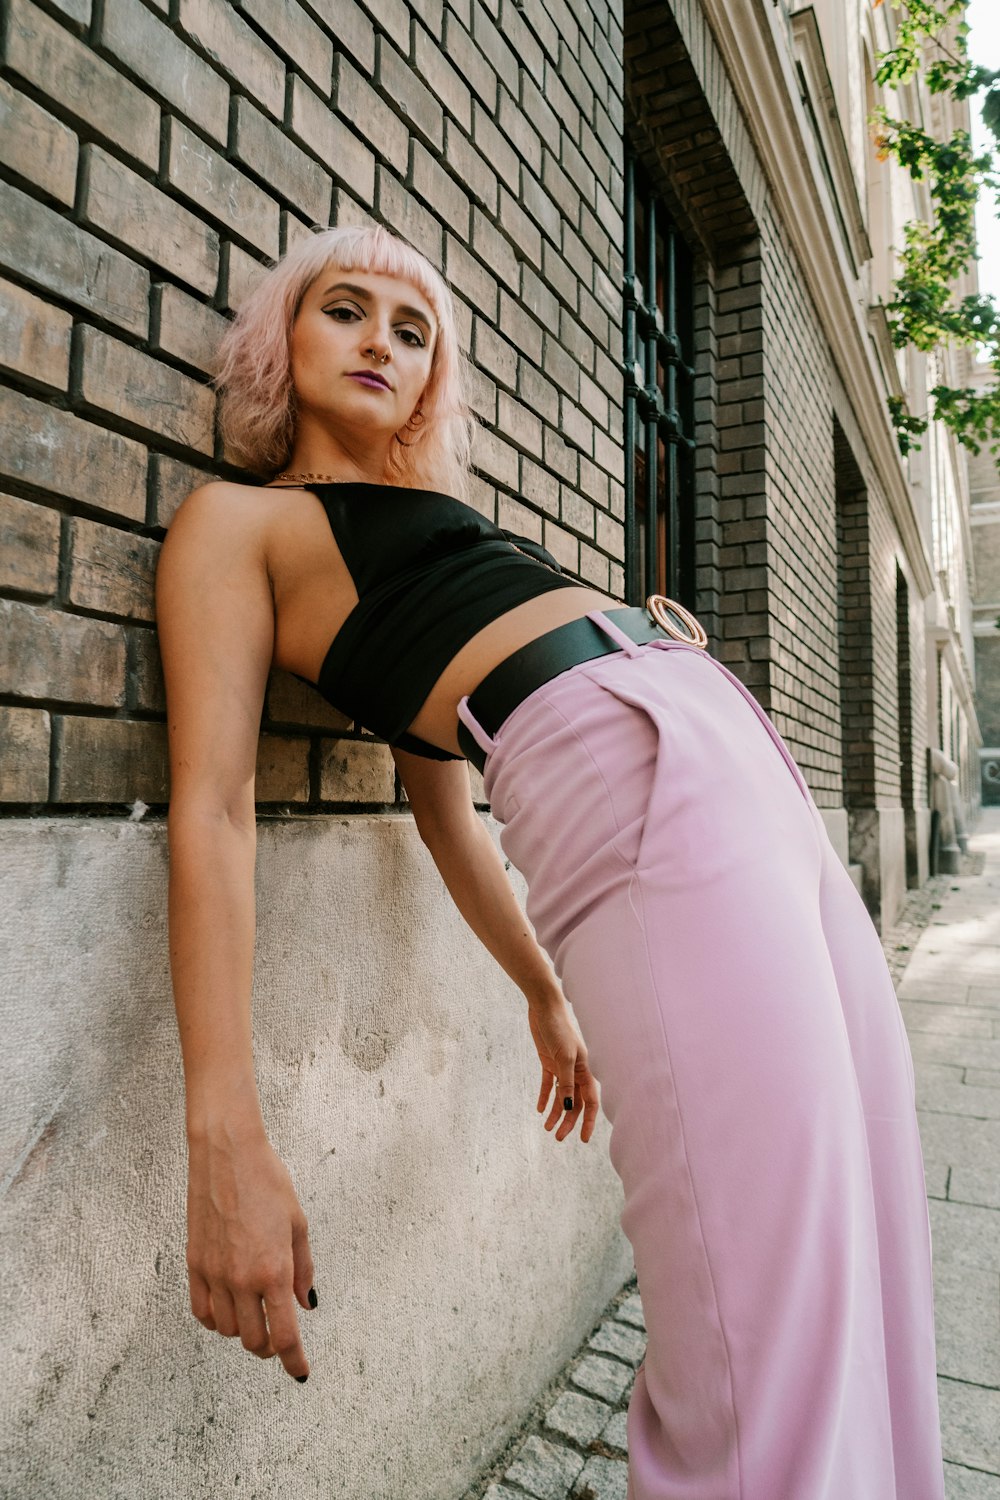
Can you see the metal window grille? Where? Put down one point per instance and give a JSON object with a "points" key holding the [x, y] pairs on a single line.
{"points": [[659, 398]]}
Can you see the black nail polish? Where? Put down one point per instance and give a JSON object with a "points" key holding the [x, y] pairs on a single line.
{"points": [[313, 1299], [301, 1378], [567, 1102]]}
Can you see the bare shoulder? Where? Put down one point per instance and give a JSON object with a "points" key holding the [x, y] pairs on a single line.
{"points": [[222, 502]]}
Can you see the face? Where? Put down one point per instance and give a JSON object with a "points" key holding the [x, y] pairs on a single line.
{"points": [[356, 320]]}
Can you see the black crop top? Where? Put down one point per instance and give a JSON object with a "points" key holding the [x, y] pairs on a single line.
{"points": [[430, 572]]}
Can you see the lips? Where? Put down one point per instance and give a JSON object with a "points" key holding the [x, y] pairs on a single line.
{"points": [[367, 378]]}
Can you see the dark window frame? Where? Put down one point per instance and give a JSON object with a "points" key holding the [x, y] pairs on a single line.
{"points": [[658, 362]]}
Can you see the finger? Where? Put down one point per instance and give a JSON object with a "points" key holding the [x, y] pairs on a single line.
{"points": [[305, 1273], [224, 1311], [253, 1327], [283, 1325], [570, 1117], [201, 1299], [548, 1078], [591, 1109]]}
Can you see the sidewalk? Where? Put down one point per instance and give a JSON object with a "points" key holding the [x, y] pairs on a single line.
{"points": [[944, 954]]}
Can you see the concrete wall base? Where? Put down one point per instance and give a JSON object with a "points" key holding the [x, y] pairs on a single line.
{"points": [[461, 1253]]}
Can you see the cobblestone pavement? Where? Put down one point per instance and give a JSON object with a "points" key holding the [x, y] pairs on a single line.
{"points": [[944, 954]]}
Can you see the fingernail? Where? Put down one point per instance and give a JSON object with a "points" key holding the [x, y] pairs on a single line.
{"points": [[313, 1299], [301, 1378], [567, 1102]]}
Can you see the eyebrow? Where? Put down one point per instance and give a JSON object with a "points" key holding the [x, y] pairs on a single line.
{"points": [[360, 291]]}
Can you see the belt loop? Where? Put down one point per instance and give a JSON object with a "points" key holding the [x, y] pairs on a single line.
{"points": [[485, 741], [614, 631]]}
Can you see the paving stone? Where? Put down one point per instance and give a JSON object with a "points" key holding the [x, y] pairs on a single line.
{"points": [[970, 1484], [501, 1492], [615, 1431], [545, 1470], [936, 1176], [631, 1312], [602, 1377], [979, 1185], [936, 993], [970, 1425], [577, 1416], [987, 1078], [602, 1479], [967, 1317], [967, 1234], [618, 1339], [958, 1099]]}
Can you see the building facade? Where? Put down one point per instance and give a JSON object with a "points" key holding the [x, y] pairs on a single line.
{"points": [[670, 241]]}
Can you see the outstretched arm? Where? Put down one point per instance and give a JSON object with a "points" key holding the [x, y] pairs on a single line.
{"points": [[248, 1252], [473, 870]]}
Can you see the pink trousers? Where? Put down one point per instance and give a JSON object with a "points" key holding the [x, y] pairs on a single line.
{"points": [[742, 1023]]}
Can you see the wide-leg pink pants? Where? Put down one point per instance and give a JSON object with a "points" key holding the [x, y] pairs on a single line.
{"points": [[742, 1023]]}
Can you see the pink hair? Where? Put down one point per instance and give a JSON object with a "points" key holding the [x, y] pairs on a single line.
{"points": [[254, 368]]}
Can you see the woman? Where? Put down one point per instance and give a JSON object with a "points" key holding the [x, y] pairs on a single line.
{"points": [[731, 990]]}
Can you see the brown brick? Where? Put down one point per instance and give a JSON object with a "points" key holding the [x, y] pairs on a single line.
{"points": [[610, 534], [294, 230], [56, 62], [110, 760], [36, 145], [145, 671], [45, 653], [170, 69], [290, 701], [564, 548], [43, 446], [360, 770], [76, 10], [122, 380], [266, 150], [355, 99], [240, 274], [449, 66], [172, 481], [329, 138], [141, 218], [435, 185], [291, 30], [24, 754], [54, 254], [187, 328], [111, 570], [593, 568], [34, 337], [29, 546], [236, 50], [282, 769], [203, 177], [404, 215], [418, 104]]}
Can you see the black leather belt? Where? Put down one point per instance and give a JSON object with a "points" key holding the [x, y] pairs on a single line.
{"points": [[510, 682]]}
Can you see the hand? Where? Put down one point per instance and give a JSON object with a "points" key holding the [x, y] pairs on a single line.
{"points": [[563, 1056], [248, 1251]]}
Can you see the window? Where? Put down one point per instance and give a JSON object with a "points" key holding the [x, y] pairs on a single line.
{"points": [[659, 404]]}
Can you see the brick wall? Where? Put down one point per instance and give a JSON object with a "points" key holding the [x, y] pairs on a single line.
{"points": [[155, 156]]}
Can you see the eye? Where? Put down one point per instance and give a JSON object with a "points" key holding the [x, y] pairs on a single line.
{"points": [[415, 340]]}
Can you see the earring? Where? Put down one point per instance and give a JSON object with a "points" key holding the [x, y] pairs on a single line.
{"points": [[413, 421]]}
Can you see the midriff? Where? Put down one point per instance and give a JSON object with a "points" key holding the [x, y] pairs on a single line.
{"points": [[314, 593], [437, 720]]}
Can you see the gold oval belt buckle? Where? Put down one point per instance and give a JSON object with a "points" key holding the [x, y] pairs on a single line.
{"points": [[694, 635]]}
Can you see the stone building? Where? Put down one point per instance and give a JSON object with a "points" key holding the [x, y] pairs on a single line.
{"points": [[670, 241]]}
